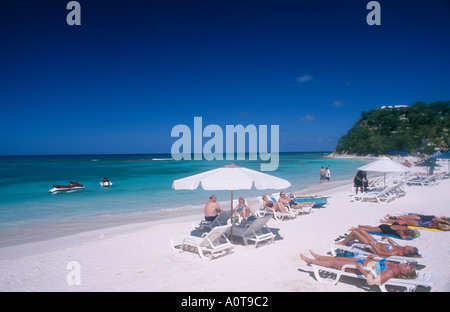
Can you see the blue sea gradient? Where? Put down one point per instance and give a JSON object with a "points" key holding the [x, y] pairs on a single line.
{"points": [[141, 189]]}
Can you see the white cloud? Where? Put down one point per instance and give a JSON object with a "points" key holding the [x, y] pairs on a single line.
{"points": [[339, 104], [308, 117], [304, 78]]}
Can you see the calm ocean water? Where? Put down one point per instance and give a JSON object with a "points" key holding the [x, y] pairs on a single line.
{"points": [[141, 190]]}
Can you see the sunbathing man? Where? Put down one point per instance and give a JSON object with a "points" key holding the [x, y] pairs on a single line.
{"points": [[382, 249], [212, 209], [269, 205], [396, 229], [431, 222], [384, 269]]}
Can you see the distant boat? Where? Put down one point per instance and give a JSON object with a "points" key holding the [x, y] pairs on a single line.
{"points": [[106, 183], [159, 159], [72, 187], [320, 200]]}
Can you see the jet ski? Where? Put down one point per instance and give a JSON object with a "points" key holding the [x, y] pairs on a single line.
{"points": [[72, 187], [105, 183]]}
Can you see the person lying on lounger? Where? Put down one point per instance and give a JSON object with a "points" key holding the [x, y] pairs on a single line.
{"points": [[427, 221], [246, 212], [384, 269], [270, 206], [382, 249], [289, 201], [396, 229]]}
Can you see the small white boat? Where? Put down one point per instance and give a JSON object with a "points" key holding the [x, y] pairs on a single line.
{"points": [[105, 183], [72, 187]]}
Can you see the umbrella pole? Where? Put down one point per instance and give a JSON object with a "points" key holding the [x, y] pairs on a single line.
{"points": [[231, 207]]}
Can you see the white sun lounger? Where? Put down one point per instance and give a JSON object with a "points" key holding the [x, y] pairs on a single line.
{"points": [[429, 181], [278, 215], [238, 218], [385, 196], [324, 275], [222, 219], [208, 246], [305, 210], [256, 232]]}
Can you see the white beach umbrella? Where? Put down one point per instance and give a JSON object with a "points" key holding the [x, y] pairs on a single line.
{"points": [[384, 165], [231, 177]]}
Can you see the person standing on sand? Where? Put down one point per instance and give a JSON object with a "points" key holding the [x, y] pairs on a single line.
{"points": [[212, 209], [358, 181], [322, 175]]}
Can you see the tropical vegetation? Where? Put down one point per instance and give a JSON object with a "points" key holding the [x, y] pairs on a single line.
{"points": [[420, 127]]}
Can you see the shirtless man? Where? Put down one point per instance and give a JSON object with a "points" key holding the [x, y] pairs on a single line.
{"points": [[322, 175], [212, 208]]}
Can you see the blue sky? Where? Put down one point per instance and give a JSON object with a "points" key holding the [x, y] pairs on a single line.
{"points": [[132, 70]]}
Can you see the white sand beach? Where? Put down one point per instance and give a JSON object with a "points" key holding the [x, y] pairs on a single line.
{"points": [[138, 257]]}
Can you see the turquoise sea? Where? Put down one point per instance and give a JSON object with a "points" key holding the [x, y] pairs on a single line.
{"points": [[141, 189]]}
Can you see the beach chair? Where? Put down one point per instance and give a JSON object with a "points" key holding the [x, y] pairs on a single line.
{"points": [[375, 184], [429, 181], [277, 215], [303, 210], [238, 218], [222, 219], [396, 189], [292, 212], [325, 275], [361, 249], [261, 212], [208, 246], [387, 195], [257, 231]]}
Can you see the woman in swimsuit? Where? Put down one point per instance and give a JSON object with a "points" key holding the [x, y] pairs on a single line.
{"points": [[384, 269], [381, 249], [396, 229], [427, 221], [269, 205], [243, 210]]}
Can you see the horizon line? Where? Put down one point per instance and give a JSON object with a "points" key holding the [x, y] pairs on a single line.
{"points": [[116, 154]]}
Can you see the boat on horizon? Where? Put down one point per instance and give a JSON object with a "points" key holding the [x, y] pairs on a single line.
{"points": [[72, 187]]}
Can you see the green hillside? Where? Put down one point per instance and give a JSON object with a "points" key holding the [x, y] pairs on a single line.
{"points": [[421, 127]]}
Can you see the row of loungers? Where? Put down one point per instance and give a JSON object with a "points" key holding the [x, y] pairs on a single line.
{"points": [[216, 243], [396, 189], [333, 276]]}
